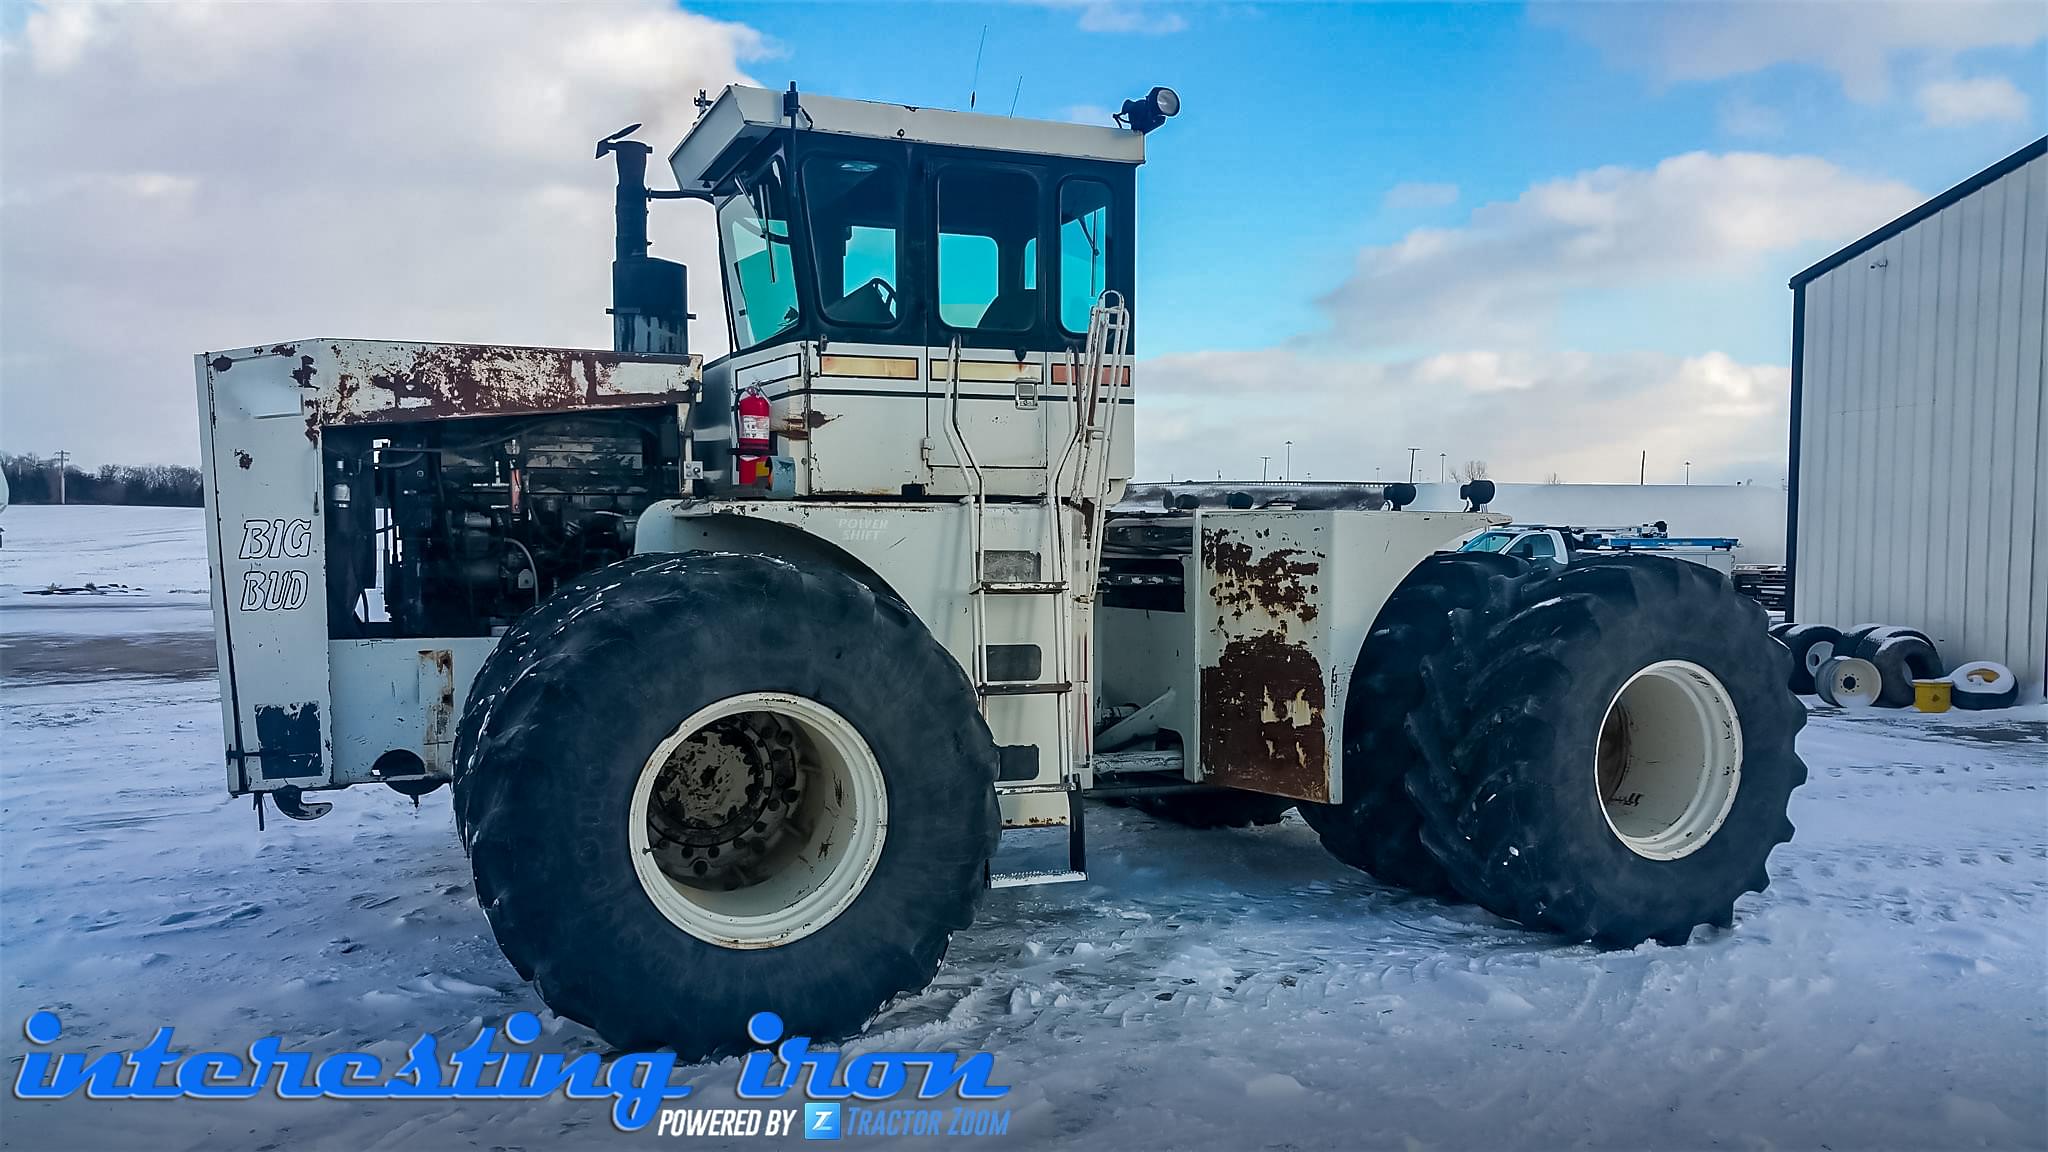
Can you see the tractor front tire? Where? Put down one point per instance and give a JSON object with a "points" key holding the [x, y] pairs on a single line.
{"points": [[511, 654], [1611, 760], [709, 785]]}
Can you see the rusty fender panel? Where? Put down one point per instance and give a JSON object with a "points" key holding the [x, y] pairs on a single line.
{"points": [[1264, 696], [364, 382], [1278, 583], [1262, 719]]}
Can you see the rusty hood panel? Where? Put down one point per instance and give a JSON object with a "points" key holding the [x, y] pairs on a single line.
{"points": [[1264, 689], [372, 382]]}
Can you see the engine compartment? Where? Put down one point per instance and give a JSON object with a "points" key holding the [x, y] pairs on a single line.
{"points": [[455, 527]]}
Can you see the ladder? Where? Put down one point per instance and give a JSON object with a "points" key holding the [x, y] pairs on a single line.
{"points": [[1079, 480]]}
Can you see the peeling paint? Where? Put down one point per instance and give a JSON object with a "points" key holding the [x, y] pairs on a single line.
{"points": [[380, 383], [437, 673], [1262, 718], [1275, 583]]}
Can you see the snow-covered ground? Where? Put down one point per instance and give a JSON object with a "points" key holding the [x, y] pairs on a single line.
{"points": [[1203, 989]]}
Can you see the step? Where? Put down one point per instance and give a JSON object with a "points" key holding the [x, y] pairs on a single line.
{"points": [[1025, 688], [1029, 789], [1022, 587], [1027, 879]]}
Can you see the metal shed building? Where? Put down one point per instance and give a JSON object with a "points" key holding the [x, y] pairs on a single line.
{"points": [[1918, 426]]}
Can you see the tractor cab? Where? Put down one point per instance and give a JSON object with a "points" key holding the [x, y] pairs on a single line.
{"points": [[867, 249]]}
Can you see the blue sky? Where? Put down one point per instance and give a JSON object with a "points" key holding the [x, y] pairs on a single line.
{"points": [[1551, 237], [1299, 119]]}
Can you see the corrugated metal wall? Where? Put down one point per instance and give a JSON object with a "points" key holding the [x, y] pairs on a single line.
{"points": [[1922, 427]]}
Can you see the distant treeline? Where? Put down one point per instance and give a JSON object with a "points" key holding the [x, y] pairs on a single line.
{"points": [[33, 480]]}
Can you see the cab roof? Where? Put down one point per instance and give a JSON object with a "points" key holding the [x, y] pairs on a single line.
{"points": [[741, 117]]}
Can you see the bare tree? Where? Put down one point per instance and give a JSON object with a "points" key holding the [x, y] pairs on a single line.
{"points": [[1473, 470], [1552, 478]]}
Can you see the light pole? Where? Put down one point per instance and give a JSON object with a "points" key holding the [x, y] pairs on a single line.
{"points": [[1262, 468], [1688, 473], [1443, 467], [1411, 464], [1287, 465]]}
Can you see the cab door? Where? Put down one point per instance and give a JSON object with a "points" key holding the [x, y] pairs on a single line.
{"points": [[987, 312]]}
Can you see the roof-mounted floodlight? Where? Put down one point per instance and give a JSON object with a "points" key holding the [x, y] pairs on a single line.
{"points": [[1144, 115]]}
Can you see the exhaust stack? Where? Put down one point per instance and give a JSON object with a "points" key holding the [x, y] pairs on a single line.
{"points": [[650, 296]]}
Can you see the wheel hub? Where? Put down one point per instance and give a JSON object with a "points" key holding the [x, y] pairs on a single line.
{"points": [[1669, 760], [722, 798], [757, 820]]}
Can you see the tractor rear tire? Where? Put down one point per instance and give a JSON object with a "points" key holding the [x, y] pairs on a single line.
{"points": [[605, 774], [1618, 767], [1216, 808], [1377, 828]]}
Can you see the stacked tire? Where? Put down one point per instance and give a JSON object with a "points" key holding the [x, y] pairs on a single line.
{"points": [[1812, 645], [1896, 655]]}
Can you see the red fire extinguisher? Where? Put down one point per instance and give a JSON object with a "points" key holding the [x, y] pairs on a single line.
{"points": [[755, 445]]}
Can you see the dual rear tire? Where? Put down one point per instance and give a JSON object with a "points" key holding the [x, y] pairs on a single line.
{"points": [[1606, 752]]}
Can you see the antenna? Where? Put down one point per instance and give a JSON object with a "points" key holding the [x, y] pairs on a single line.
{"points": [[975, 84], [1016, 94]]}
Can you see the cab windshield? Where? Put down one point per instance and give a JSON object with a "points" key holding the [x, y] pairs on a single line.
{"points": [[1488, 542], [760, 279]]}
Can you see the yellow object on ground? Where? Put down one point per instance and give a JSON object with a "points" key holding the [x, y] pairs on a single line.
{"points": [[1931, 695]]}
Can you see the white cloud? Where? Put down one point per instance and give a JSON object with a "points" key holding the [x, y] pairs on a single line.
{"points": [[1499, 280], [1740, 116], [1408, 196], [1945, 102], [1094, 114], [1528, 414], [1444, 339], [1859, 42], [1143, 17], [188, 177]]}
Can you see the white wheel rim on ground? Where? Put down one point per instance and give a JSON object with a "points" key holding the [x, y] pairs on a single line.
{"points": [[1669, 760], [839, 824]]}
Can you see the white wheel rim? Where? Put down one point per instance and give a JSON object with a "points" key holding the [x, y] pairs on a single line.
{"points": [[1669, 760], [1818, 654], [786, 791]]}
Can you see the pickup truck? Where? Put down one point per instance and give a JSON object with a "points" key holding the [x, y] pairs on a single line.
{"points": [[1557, 545]]}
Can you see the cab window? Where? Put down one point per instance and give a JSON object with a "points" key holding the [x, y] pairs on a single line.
{"points": [[1084, 250], [1535, 546], [987, 224], [760, 277], [856, 210]]}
